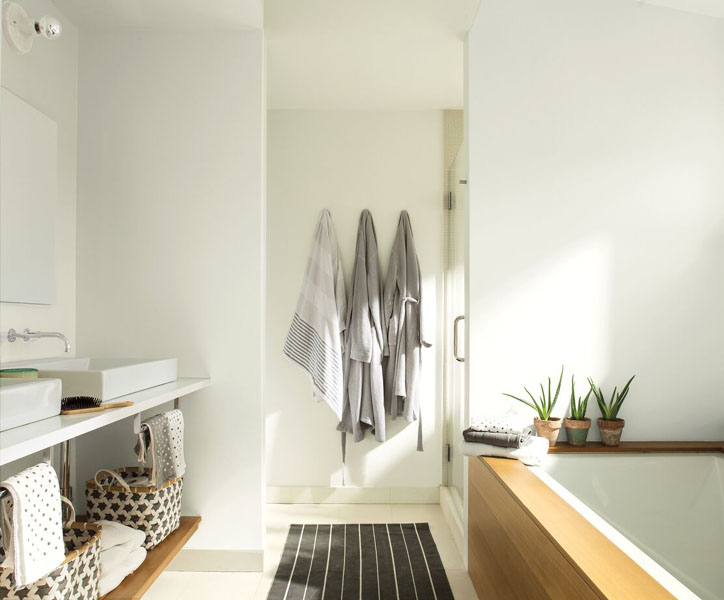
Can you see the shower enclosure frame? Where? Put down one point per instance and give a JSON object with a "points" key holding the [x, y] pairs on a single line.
{"points": [[455, 405]]}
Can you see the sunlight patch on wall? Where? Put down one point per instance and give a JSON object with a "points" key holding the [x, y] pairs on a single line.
{"points": [[555, 312]]}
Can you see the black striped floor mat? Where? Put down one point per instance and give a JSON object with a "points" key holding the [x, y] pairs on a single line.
{"points": [[360, 562]]}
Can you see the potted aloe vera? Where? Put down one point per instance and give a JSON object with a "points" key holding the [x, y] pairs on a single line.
{"points": [[577, 425], [609, 423], [546, 426]]}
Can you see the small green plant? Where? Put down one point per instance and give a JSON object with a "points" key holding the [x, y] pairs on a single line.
{"points": [[546, 403], [580, 406], [609, 410]]}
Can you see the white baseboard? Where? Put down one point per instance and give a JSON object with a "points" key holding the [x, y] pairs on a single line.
{"points": [[451, 509], [192, 559], [352, 495]]}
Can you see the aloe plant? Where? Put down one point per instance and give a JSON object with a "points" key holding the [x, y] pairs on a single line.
{"points": [[609, 410], [545, 404], [579, 406]]}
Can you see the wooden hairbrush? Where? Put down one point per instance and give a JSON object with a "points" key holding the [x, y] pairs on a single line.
{"points": [[75, 405]]}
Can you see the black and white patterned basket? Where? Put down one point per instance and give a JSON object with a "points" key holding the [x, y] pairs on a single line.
{"points": [[75, 579], [156, 512]]}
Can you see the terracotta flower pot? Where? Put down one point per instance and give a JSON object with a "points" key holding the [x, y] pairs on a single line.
{"points": [[548, 429], [611, 431], [577, 430]]}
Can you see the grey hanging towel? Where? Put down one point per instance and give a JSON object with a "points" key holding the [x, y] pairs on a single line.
{"points": [[404, 310], [314, 341], [364, 400], [162, 440]]}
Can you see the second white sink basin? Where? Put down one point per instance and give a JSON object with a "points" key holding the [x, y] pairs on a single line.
{"points": [[24, 401], [108, 378]]}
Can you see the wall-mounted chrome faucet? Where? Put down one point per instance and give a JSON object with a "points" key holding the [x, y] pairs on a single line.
{"points": [[11, 335]]}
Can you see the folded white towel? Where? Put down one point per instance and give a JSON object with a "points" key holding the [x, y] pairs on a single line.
{"points": [[530, 454], [116, 534], [139, 481], [111, 558], [33, 534], [111, 580], [507, 423]]}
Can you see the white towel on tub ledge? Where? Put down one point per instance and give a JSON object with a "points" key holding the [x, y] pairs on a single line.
{"points": [[530, 454]]}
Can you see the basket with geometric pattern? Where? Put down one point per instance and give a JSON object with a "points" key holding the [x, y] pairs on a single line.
{"points": [[77, 576], [114, 497]]}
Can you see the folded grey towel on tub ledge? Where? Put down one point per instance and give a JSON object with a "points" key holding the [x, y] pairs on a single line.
{"points": [[503, 440]]}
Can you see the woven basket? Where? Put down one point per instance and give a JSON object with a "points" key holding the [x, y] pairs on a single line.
{"points": [[75, 579], [156, 512]]}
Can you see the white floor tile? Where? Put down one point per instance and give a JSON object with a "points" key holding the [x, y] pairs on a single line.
{"points": [[448, 549], [178, 585], [365, 513], [461, 585]]}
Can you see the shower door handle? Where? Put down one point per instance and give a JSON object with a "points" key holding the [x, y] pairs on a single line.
{"points": [[456, 338]]}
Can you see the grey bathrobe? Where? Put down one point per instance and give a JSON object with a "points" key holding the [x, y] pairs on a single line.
{"points": [[406, 333], [364, 403]]}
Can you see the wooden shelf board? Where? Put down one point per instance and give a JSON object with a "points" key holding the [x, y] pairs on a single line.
{"points": [[625, 447], [137, 583]]}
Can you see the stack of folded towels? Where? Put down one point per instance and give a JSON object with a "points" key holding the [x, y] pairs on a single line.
{"points": [[122, 552], [506, 436]]}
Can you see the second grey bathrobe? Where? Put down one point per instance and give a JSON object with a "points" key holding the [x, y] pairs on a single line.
{"points": [[406, 333], [364, 402]]}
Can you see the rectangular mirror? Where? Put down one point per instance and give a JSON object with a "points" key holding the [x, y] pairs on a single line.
{"points": [[28, 188]]}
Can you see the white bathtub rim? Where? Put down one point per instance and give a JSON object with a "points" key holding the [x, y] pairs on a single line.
{"points": [[670, 583]]}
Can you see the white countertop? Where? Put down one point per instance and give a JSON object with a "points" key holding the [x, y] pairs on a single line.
{"points": [[34, 437]]}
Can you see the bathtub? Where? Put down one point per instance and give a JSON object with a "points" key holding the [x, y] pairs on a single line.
{"points": [[665, 511]]}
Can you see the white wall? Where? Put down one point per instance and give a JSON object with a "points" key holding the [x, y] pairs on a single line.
{"points": [[371, 55], [170, 250], [346, 161], [596, 131], [47, 78]]}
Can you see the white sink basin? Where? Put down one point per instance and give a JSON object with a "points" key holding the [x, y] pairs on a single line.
{"points": [[107, 378], [23, 401]]}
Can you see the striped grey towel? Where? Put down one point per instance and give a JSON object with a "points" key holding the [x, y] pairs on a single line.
{"points": [[314, 341]]}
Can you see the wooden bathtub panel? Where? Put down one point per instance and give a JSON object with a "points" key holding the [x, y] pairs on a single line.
{"points": [[509, 556], [489, 542], [527, 542]]}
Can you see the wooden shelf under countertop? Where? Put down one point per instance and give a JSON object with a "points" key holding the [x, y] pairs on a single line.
{"points": [[624, 447], [137, 583]]}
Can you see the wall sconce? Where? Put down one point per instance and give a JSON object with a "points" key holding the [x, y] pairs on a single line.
{"points": [[20, 30]]}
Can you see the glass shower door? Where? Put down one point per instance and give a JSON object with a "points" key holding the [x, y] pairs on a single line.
{"points": [[454, 376]]}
